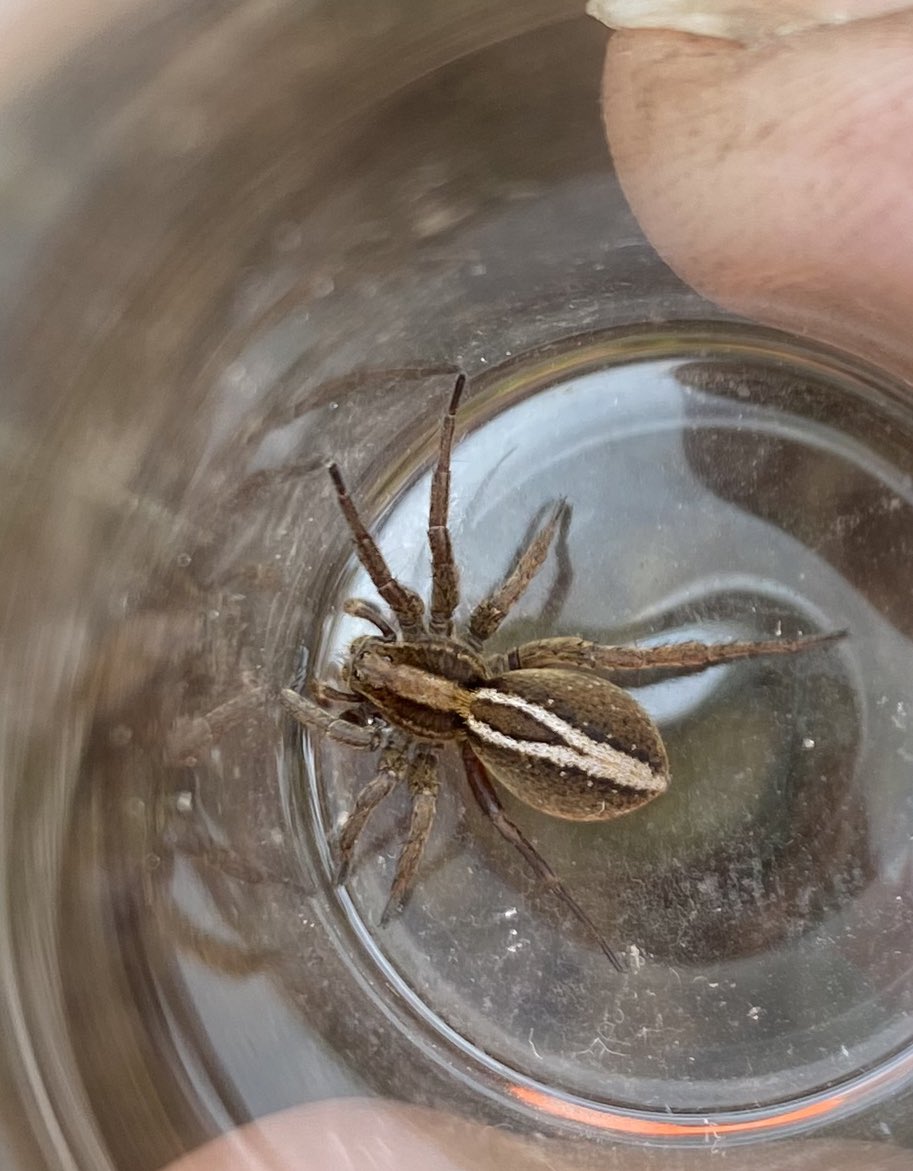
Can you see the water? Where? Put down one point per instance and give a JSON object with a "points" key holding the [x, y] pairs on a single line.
{"points": [[721, 487]]}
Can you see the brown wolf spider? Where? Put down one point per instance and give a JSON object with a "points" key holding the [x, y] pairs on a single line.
{"points": [[538, 719]]}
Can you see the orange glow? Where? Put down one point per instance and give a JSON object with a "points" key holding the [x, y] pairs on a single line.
{"points": [[654, 1128]]}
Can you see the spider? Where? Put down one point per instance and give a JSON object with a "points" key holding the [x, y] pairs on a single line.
{"points": [[540, 720]]}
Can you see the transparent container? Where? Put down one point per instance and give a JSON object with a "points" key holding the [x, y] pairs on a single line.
{"points": [[241, 243]]}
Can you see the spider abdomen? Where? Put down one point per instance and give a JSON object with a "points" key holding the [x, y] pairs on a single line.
{"points": [[567, 742]]}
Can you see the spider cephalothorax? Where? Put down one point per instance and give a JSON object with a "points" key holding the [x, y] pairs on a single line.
{"points": [[541, 719]]}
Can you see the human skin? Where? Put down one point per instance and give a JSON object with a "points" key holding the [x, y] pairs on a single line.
{"points": [[777, 179]]}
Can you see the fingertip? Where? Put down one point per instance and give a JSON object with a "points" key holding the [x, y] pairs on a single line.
{"points": [[774, 179]]}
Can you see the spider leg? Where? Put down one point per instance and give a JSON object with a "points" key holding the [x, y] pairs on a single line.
{"points": [[312, 715], [491, 611], [324, 693], [488, 801], [227, 861], [404, 602], [560, 588], [358, 608], [445, 580], [293, 405], [389, 774], [231, 959], [423, 784], [189, 736], [677, 658]]}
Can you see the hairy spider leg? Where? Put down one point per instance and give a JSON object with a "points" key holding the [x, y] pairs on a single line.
{"points": [[389, 775], [680, 658], [223, 867], [190, 735], [421, 773], [445, 578], [492, 610], [287, 410], [198, 844], [404, 602], [486, 797], [221, 955], [337, 727], [359, 608], [560, 589]]}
